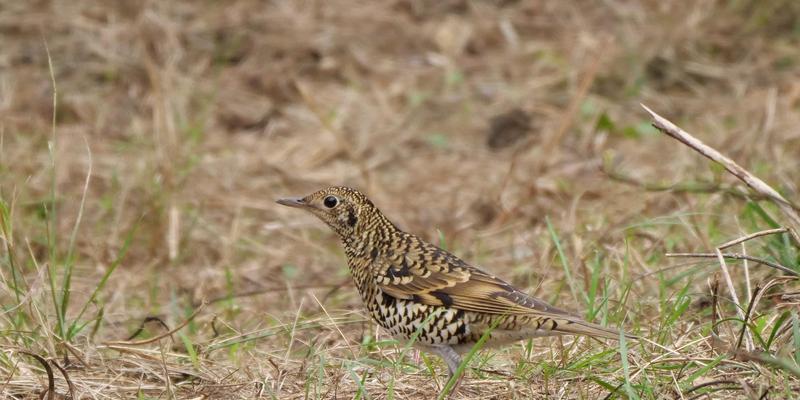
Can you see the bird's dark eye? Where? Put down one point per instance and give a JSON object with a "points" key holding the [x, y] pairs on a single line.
{"points": [[330, 201]]}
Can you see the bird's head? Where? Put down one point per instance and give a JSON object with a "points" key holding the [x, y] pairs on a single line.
{"points": [[347, 211]]}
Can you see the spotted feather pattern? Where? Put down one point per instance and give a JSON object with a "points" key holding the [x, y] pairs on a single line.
{"points": [[414, 288]]}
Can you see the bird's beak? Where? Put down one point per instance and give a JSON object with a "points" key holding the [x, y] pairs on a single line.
{"points": [[292, 202]]}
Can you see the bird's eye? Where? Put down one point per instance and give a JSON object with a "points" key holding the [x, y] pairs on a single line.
{"points": [[330, 201]]}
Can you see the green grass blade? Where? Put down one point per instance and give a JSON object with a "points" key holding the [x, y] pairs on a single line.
{"points": [[100, 285], [796, 335], [190, 349], [7, 229], [52, 215], [448, 387], [776, 328], [686, 383], [564, 262], [623, 353], [69, 261]]}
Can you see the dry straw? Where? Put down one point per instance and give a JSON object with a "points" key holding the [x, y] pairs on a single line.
{"points": [[789, 209]]}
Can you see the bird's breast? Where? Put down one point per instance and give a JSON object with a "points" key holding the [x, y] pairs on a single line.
{"points": [[409, 319]]}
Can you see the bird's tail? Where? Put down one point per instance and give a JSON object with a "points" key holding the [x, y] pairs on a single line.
{"points": [[575, 326]]}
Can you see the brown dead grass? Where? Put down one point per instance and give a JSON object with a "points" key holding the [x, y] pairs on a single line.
{"points": [[199, 114]]}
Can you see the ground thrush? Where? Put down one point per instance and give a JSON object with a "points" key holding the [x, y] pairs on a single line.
{"points": [[412, 287]]}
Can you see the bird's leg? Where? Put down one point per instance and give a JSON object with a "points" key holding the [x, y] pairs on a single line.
{"points": [[453, 360]]}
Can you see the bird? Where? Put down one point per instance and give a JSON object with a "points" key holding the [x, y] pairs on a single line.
{"points": [[418, 291]]}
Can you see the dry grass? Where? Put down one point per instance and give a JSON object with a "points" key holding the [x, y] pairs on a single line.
{"points": [[508, 130]]}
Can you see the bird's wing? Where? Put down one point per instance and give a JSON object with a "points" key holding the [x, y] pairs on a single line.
{"points": [[433, 276]]}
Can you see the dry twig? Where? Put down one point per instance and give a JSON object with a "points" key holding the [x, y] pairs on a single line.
{"points": [[737, 256], [750, 305], [66, 378], [729, 282], [751, 236], [788, 208], [51, 381], [159, 337], [140, 329]]}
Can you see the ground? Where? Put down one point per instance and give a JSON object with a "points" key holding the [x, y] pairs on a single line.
{"points": [[143, 143]]}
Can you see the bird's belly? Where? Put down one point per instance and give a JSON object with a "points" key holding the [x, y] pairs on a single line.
{"points": [[407, 319]]}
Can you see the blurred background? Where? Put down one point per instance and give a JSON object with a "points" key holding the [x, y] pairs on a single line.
{"points": [[498, 129]]}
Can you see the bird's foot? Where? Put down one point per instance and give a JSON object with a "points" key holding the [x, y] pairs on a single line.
{"points": [[453, 360]]}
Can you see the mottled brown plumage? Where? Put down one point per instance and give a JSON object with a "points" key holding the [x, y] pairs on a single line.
{"points": [[409, 285]]}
